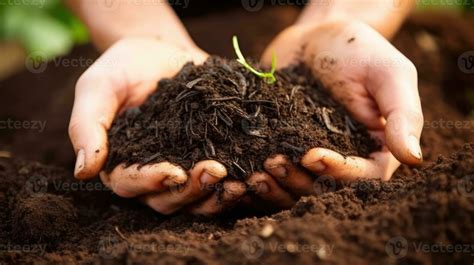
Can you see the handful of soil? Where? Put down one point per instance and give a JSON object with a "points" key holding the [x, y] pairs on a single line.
{"points": [[221, 111]]}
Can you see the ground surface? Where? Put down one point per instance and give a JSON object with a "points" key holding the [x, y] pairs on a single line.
{"points": [[422, 216]]}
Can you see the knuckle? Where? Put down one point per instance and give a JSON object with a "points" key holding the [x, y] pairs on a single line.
{"points": [[409, 68], [72, 129], [90, 76]]}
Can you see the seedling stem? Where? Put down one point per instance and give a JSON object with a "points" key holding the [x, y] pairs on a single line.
{"points": [[268, 77]]}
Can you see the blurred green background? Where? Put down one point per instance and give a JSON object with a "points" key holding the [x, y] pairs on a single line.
{"points": [[49, 27], [41, 25]]}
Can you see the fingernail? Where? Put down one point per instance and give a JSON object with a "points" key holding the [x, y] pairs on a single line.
{"points": [[414, 147], [79, 162], [318, 166], [207, 178], [279, 172], [171, 181], [262, 188]]}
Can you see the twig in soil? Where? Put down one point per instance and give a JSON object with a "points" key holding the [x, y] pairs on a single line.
{"points": [[310, 101], [294, 90], [185, 94], [216, 129], [238, 111], [252, 94], [290, 146], [242, 83], [151, 158], [190, 84], [327, 122], [120, 233], [211, 146], [239, 167], [189, 124], [267, 77], [251, 165], [350, 124], [226, 119], [257, 112], [224, 99], [259, 101]]}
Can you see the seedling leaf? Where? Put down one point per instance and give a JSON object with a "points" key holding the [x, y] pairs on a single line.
{"points": [[268, 77]]}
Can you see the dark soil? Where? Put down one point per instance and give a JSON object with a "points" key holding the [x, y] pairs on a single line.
{"points": [[222, 111], [422, 216]]}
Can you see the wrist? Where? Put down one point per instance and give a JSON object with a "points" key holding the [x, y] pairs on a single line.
{"points": [[108, 24], [384, 16], [104, 37]]}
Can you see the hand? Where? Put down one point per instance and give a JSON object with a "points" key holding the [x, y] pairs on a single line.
{"points": [[123, 77], [376, 84]]}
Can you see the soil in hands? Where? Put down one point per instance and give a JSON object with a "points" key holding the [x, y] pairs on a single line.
{"points": [[221, 111]]}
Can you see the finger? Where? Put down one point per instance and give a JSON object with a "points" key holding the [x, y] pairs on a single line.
{"points": [[268, 190], [286, 54], [322, 161], [359, 104], [219, 201], [203, 179], [395, 89], [95, 106], [289, 176], [136, 180]]}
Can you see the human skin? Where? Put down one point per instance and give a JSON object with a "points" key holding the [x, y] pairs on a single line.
{"points": [[142, 48], [346, 46]]}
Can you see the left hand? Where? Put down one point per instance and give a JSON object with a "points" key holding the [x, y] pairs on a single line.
{"points": [[374, 81]]}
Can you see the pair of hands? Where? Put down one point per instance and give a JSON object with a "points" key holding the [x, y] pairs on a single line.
{"points": [[375, 82]]}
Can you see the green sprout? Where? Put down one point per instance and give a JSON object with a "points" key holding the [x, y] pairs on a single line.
{"points": [[267, 77]]}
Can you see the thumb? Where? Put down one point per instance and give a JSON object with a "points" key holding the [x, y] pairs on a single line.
{"points": [[396, 92], [284, 47], [95, 105]]}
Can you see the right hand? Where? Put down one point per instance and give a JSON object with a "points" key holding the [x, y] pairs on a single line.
{"points": [[123, 77]]}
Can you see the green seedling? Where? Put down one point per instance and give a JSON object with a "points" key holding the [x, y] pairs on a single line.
{"points": [[267, 77]]}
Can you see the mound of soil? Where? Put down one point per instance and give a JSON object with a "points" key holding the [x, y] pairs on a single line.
{"points": [[222, 111], [43, 219]]}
